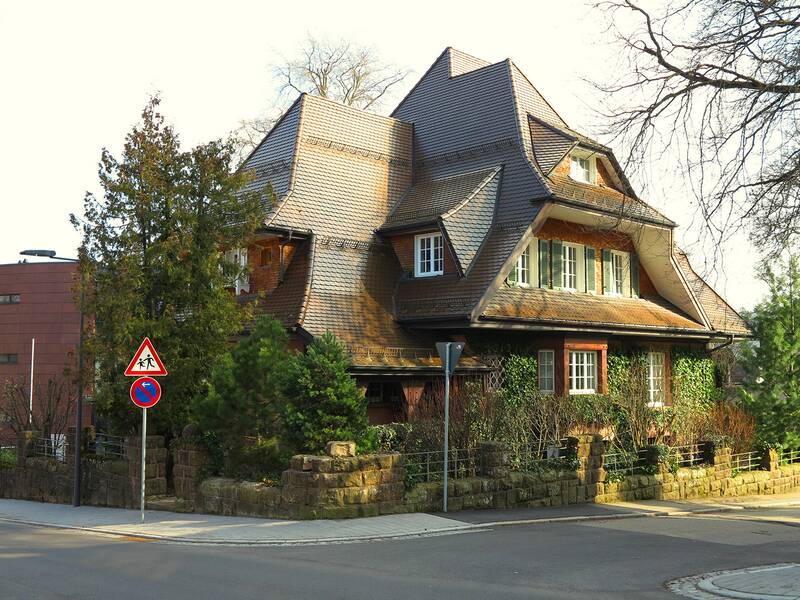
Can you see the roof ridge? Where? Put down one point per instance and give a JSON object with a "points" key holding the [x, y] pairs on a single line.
{"points": [[272, 129], [513, 64], [295, 160], [520, 134], [353, 109], [473, 193]]}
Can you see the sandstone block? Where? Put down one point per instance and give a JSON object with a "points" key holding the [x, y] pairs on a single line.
{"points": [[340, 449]]}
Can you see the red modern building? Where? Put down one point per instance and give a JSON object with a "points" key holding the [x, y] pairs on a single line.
{"points": [[37, 303]]}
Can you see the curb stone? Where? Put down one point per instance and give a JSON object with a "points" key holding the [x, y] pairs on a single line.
{"points": [[453, 530], [702, 587]]}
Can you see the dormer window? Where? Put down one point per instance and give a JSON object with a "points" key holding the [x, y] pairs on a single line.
{"points": [[428, 255], [582, 167]]}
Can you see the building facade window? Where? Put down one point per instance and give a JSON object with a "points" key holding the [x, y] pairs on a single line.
{"points": [[547, 378], [8, 359], [582, 372], [521, 273], [9, 298], [655, 378], [429, 255], [266, 257], [238, 258], [619, 272], [569, 272], [580, 169]]}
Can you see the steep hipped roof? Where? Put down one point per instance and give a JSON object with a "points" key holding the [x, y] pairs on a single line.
{"points": [[471, 150], [721, 315]]}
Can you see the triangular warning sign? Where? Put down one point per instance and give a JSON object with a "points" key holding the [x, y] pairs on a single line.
{"points": [[146, 362]]}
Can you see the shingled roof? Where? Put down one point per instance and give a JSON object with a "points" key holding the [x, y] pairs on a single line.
{"points": [[472, 150]]}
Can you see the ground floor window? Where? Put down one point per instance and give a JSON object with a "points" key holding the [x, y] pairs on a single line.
{"points": [[582, 372], [547, 371], [655, 378]]}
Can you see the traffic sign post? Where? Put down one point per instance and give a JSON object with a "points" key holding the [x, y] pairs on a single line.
{"points": [[145, 393], [449, 353]]}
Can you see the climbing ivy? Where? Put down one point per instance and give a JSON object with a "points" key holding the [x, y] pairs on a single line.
{"points": [[520, 382], [694, 376]]}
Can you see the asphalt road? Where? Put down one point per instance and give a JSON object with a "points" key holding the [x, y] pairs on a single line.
{"points": [[598, 560]]}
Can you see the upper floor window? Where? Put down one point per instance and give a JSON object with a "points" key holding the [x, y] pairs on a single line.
{"points": [[521, 273], [9, 298], [619, 272], [238, 258], [569, 272], [547, 371], [8, 359], [582, 372], [582, 168], [428, 255], [655, 378], [266, 257]]}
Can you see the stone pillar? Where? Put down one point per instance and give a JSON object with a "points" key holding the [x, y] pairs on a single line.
{"points": [[155, 465], [190, 463], [770, 459], [590, 450], [492, 459], [26, 445]]}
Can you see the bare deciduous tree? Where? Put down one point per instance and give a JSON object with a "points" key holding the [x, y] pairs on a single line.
{"points": [[340, 71], [715, 84], [53, 405]]}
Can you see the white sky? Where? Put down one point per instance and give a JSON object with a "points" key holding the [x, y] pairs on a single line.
{"points": [[75, 75]]}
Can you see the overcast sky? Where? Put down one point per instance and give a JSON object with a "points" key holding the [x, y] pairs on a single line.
{"points": [[74, 77]]}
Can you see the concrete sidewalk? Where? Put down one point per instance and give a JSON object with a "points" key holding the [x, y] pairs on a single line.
{"points": [[211, 529]]}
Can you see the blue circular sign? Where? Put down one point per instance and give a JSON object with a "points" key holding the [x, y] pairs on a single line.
{"points": [[145, 392]]}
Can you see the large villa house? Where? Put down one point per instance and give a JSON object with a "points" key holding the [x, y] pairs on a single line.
{"points": [[472, 213]]}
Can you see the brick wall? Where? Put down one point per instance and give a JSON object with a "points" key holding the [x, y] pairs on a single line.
{"points": [[264, 260]]}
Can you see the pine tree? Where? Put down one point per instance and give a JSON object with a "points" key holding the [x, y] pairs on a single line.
{"points": [[772, 362], [322, 402], [152, 260]]}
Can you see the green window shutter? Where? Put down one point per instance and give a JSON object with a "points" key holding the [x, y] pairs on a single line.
{"points": [[606, 271], [580, 268], [544, 263], [590, 264], [558, 264], [634, 275]]}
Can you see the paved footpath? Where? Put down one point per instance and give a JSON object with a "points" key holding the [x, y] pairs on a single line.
{"points": [[766, 582], [211, 529]]}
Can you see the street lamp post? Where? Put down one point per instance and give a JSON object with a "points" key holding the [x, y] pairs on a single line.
{"points": [[76, 487]]}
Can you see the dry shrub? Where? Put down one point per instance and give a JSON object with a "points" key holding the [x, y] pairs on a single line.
{"points": [[730, 420]]}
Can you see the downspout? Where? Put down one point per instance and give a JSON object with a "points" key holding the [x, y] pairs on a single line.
{"points": [[724, 344]]}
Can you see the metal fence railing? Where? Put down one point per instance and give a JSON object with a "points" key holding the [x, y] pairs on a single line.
{"points": [[746, 461], [54, 446], [111, 446], [789, 456], [429, 466], [623, 462], [688, 455], [536, 458]]}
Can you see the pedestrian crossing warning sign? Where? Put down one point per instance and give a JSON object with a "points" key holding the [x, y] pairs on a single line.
{"points": [[146, 362]]}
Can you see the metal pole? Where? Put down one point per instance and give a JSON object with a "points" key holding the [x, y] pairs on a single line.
{"points": [[446, 420], [76, 485], [144, 444], [30, 401]]}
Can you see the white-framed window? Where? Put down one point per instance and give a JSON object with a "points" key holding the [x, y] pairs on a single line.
{"points": [[655, 378], [569, 270], [547, 379], [620, 276], [428, 255], [582, 167], [521, 273], [238, 258], [582, 371]]}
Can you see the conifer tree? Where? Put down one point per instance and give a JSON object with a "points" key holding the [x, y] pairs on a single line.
{"points": [[772, 361], [152, 258]]}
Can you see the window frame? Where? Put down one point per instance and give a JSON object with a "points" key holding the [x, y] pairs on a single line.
{"points": [[656, 396], [585, 377], [552, 368], [7, 358], [521, 267], [436, 238], [566, 247], [10, 298], [576, 170], [625, 265]]}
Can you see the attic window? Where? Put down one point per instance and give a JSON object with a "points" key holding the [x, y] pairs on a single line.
{"points": [[582, 167], [428, 255]]}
